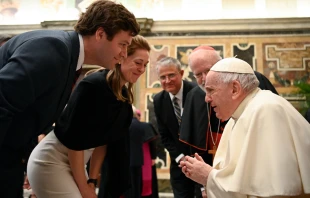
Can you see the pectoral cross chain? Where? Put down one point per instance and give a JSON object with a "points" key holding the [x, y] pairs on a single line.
{"points": [[213, 152]]}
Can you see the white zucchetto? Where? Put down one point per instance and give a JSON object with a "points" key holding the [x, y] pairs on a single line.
{"points": [[233, 65]]}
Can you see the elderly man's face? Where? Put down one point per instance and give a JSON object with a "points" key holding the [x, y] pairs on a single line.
{"points": [[170, 78], [200, 70], [200, 62], [219, 95]]}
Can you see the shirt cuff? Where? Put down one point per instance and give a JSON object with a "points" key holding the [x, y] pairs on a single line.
{"points": [[179, 157]]}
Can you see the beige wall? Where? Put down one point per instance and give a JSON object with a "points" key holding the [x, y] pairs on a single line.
{"points": [[282, 59]]}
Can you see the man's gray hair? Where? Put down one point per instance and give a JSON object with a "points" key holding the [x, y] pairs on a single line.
{"points": [[168, 61], [248, 82]]}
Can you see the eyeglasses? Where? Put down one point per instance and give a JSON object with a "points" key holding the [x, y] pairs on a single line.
{"points": [[199, 75], [169, 76]]}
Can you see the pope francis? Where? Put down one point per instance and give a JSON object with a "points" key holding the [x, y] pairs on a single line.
{"points": [[265, 147]]}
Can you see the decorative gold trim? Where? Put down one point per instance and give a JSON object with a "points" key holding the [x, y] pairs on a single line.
{"points": [[219, 26], [232, 25]]}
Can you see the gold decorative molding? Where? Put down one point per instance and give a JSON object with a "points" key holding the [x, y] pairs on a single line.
{"points": [[150, 27], [18, 29], [63, 25], [232, 25], [145, 25]]}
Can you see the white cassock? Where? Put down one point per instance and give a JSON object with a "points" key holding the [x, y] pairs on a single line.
{"points": [[264, 151]]}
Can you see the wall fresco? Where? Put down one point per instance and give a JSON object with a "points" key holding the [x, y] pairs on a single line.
{"points": [[285, 63], [157, 53], [182, 53]]}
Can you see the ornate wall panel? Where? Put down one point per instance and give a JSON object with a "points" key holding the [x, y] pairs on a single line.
{"points": [[157, 52], [182, 53], [246, 52], [287, 62]]}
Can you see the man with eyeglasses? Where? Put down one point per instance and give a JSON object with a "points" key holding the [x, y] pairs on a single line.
{"points": [[168, 107], [200, 127]]}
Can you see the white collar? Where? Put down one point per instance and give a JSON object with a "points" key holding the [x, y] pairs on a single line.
{"points": [[236, 115], [81, 55], [179, 95]]}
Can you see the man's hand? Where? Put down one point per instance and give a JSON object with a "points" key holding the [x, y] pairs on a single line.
{"points": [[204, 194], [182, 159], [153, 162], [40, 137], [26, 183], [196, 169]]}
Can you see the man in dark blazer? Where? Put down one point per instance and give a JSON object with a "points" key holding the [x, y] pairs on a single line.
{"points": [[170, 76], [37, 73]]}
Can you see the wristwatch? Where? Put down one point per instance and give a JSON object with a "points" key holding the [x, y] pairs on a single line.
{"points": [[94, 181]]}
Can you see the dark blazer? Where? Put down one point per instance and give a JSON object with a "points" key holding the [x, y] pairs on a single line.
{"points": [[37, 70], [136, 134], [150, 136], [140, 133], [264, 83], [168, 126]]}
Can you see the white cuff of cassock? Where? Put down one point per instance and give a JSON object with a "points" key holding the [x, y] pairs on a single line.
{"points": [[179, 157]]}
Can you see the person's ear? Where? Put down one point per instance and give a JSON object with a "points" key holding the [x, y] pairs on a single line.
{"points": [[236, 89], [100, 34], [182, 72]]}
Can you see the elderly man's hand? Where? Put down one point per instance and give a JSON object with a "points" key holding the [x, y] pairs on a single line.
{"points": [[196, 169]]}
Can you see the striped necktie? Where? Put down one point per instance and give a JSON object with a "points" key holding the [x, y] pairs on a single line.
{"points": [[177, 109]]}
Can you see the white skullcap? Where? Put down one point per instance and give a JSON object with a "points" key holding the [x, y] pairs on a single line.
{"points": [[232, 65]]}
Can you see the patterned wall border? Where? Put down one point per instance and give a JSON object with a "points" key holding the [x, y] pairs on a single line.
{"points": [[157, 52], [277, 60]]}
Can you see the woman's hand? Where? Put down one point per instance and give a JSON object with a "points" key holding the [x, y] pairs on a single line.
{"points": [[76, 161], [92, 186], [88, 192], [96, 161]]}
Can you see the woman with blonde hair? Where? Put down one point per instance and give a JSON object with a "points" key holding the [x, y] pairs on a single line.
{"points": [[94, 124]]}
